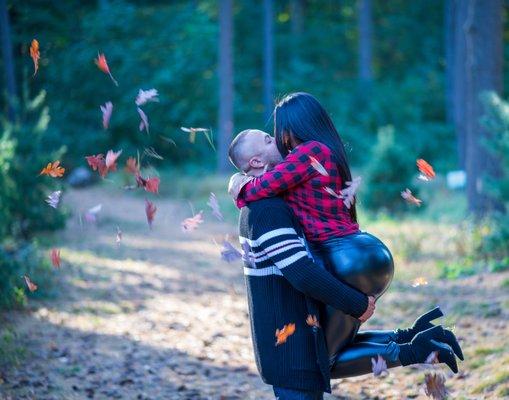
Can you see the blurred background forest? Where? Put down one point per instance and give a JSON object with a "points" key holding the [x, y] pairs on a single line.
{"points": [[401, 79]]}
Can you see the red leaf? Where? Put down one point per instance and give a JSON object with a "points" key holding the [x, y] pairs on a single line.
{"points": [[190, 224], [55, 257], [150, 211]]}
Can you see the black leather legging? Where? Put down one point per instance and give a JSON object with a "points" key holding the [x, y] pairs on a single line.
{"points": [[362, 261]]}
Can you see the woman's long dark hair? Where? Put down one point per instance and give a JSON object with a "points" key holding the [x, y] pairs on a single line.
{"points": [[303, 117]]}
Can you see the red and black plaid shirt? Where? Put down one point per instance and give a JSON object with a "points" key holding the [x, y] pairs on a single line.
{"points": [[322, 215]]}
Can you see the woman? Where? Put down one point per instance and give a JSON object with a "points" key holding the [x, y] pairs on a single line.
{"points": [[314, 171]]}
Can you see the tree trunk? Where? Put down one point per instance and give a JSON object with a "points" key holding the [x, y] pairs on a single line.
{"points": [[458, 79], [449, 37], [365, 26], [268, 57], [10, 77], [297, 25], [483, 73], [225, 125]]}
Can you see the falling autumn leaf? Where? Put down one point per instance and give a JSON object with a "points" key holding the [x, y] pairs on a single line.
{"points": [[152, 184], [432, 358], [419, 281], [283, 334], [247, 256], [230, 253], [119, 236], [193, 131], [214, 205], [111, 159], [312, 320], [98, 163], [55, 257], [102, 64], [53, 170], [435, 385], [409, 197], [144, 120], [31, 286], [348, 193], [427, 172], [190, 224], [91, 214], [54, 198], [379, 366], [319, 167], [131, 166], [35, 54], [332, 192], [150, 211], [152, 153], [145, 96], [107, 109]]}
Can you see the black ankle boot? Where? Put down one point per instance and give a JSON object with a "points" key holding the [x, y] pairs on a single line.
{"points": [[421, 346], [422, 323]]}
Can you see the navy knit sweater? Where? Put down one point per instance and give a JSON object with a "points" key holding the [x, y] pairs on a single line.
{"points": [[283, 287]]}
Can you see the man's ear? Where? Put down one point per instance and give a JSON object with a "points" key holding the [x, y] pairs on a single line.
{"points": [[256, 162]]}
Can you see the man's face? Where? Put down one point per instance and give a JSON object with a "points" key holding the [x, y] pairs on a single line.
{"points": [[261, 146]]}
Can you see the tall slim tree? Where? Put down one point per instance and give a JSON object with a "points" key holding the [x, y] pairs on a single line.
{"points": [[225, 125], [458, 79], [484, 54], [268, 57], [449, 36], [365, 27], [297, 26], [8, 60]]}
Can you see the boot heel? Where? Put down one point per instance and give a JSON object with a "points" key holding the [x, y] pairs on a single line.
{"points": [[446, 355], [429, 316]]}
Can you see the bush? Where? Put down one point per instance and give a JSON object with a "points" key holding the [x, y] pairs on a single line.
{"points": [[388, 172]]}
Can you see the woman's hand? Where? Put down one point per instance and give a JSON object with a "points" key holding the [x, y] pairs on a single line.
{"points": [[369, 311], [237, 181]]}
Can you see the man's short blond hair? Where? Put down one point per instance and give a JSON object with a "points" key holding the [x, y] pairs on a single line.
{"points": [[237, 153]]}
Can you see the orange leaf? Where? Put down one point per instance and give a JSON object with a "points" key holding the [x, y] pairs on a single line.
{"points": [[190, 224], [426, 170], [31, 286], [102, 64], [131, 166], [284, 333], [312, 320], [408, 196], [150, 211], [53, 170], [35, 54], [55, 257]]}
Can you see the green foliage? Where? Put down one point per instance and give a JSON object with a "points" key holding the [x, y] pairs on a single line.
{"points": [[16, 260], [389, 171], [23, 210], [22, 156]]}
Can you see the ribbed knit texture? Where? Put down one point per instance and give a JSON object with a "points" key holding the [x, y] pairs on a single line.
{"points": [[283, 286]]}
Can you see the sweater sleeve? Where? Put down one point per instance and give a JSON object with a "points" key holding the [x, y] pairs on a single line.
{"points": [[295, 169], [277, 240]]}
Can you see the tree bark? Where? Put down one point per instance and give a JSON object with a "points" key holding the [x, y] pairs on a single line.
{"points": [[10, 77], [268, 57], [225, 125], [449, 37], [458, 79], [484, 49], [297, 25], [365, 26]]}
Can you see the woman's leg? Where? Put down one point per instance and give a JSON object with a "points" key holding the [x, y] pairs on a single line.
{"points": [[361, 261], [356, 358]]}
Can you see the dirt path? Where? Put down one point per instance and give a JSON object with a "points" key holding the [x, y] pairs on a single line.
{"points": [[160, 316]]}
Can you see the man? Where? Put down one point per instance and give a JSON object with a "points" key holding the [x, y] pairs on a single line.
{"points": [[284, 286]]}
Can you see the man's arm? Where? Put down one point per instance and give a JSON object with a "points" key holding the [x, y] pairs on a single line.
{"points": [[277, 239]]}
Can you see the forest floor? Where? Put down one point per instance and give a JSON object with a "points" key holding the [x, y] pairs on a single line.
{"points": [[161, 316]]}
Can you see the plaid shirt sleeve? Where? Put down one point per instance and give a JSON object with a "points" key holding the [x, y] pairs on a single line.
{"points": [[295, 169]]}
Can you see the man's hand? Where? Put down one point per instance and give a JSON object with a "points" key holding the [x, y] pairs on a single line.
{"points": [[369, 311], [237, 181]]}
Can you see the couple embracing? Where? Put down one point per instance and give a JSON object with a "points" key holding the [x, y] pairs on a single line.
{"points": [[312, 275]]}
